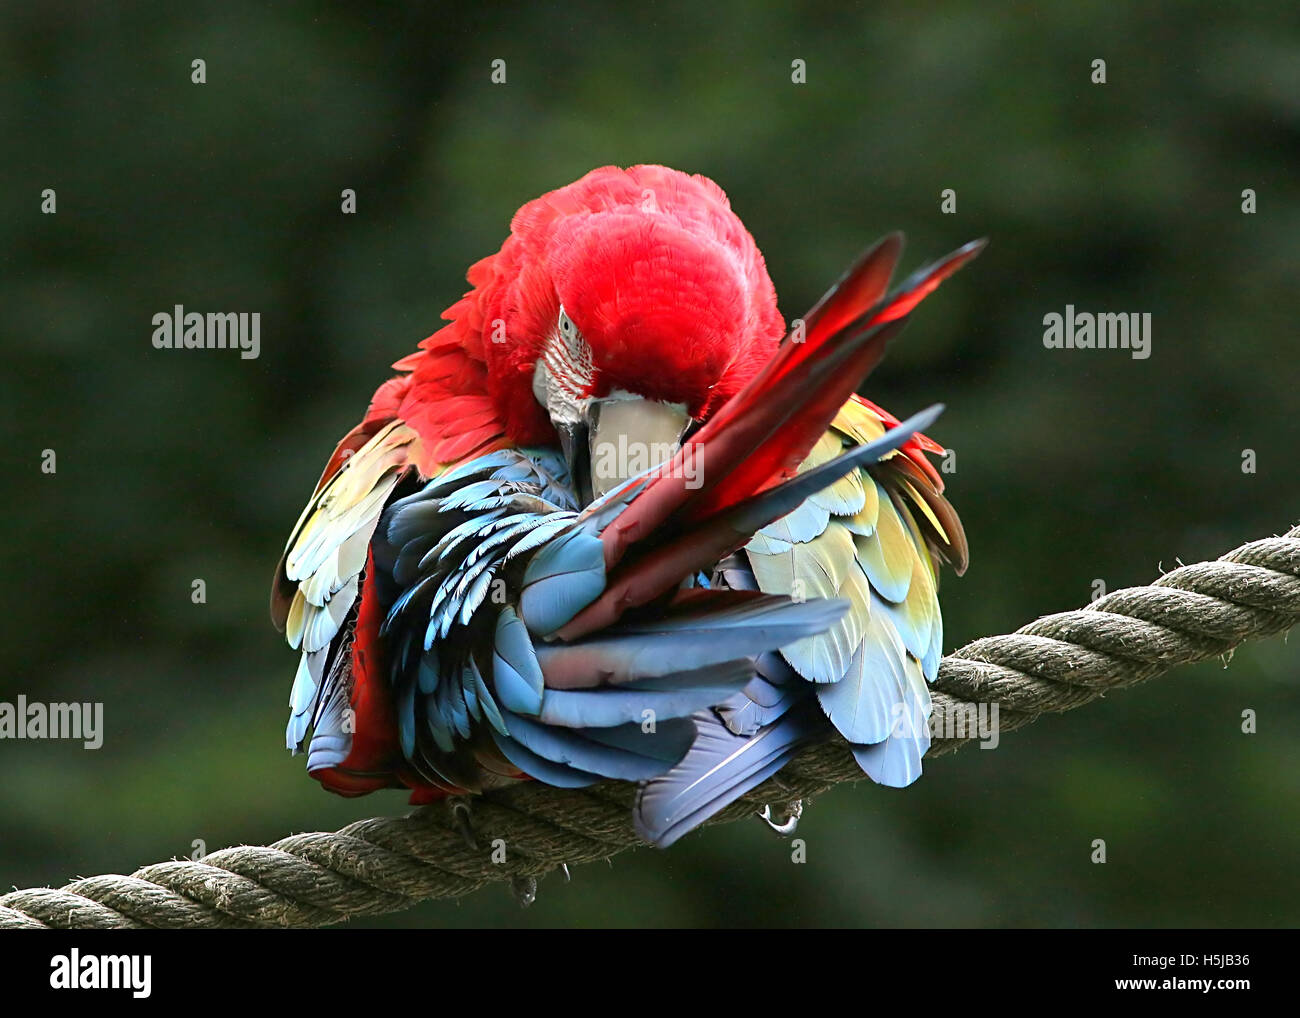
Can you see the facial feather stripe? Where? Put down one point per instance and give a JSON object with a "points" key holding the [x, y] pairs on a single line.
{"points": [[564, 373]]}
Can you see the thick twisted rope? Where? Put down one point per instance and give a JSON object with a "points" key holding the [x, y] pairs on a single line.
{"points": [[375, 866]]}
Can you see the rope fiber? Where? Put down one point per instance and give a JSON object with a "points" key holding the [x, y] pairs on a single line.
{"points": [[452, 848]]}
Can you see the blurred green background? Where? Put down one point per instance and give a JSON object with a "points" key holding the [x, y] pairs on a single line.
{"points": [[1073, 466]]}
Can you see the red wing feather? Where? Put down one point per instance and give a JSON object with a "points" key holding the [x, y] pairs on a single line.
{"points": [[857, 290]]}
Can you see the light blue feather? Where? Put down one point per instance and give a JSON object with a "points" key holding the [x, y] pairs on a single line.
{"points": [[561, 579], [863, 704], [609, 758], [516, 675], [604, 708], [546, 771]]}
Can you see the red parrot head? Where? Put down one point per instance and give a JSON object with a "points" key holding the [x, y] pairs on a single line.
{"points": [[630, 302]]}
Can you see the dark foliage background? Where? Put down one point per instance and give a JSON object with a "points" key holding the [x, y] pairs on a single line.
{"points": [[1072, 466]]}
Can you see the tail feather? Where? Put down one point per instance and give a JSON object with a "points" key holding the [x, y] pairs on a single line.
{"points": [[858, 289], [719, 768]]}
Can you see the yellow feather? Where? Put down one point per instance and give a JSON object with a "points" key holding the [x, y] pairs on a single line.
{"points": [[863, 522], [824, 567], [294, 626], [924, 506], [888, 553], [328, 546], [827, 448], [858, 422]]}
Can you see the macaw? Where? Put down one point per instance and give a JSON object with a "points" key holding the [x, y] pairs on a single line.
{"points": [[608, 523]]}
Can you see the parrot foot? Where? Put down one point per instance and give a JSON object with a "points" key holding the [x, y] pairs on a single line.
{"points": [[524, 889], [786, 827], [460, 818]]}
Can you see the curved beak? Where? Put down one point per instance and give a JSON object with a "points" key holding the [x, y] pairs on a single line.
{"points": [[619, 437]]}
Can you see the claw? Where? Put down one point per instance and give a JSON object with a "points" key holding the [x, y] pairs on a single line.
{"points": [[564, 868], [460, 818], [786, 827], [524, 889]]}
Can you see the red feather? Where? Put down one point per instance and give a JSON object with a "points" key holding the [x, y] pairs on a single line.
{"points": [[371, 761]]}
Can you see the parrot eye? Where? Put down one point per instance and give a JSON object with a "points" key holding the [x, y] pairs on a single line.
{"points": [[567, 329]]}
